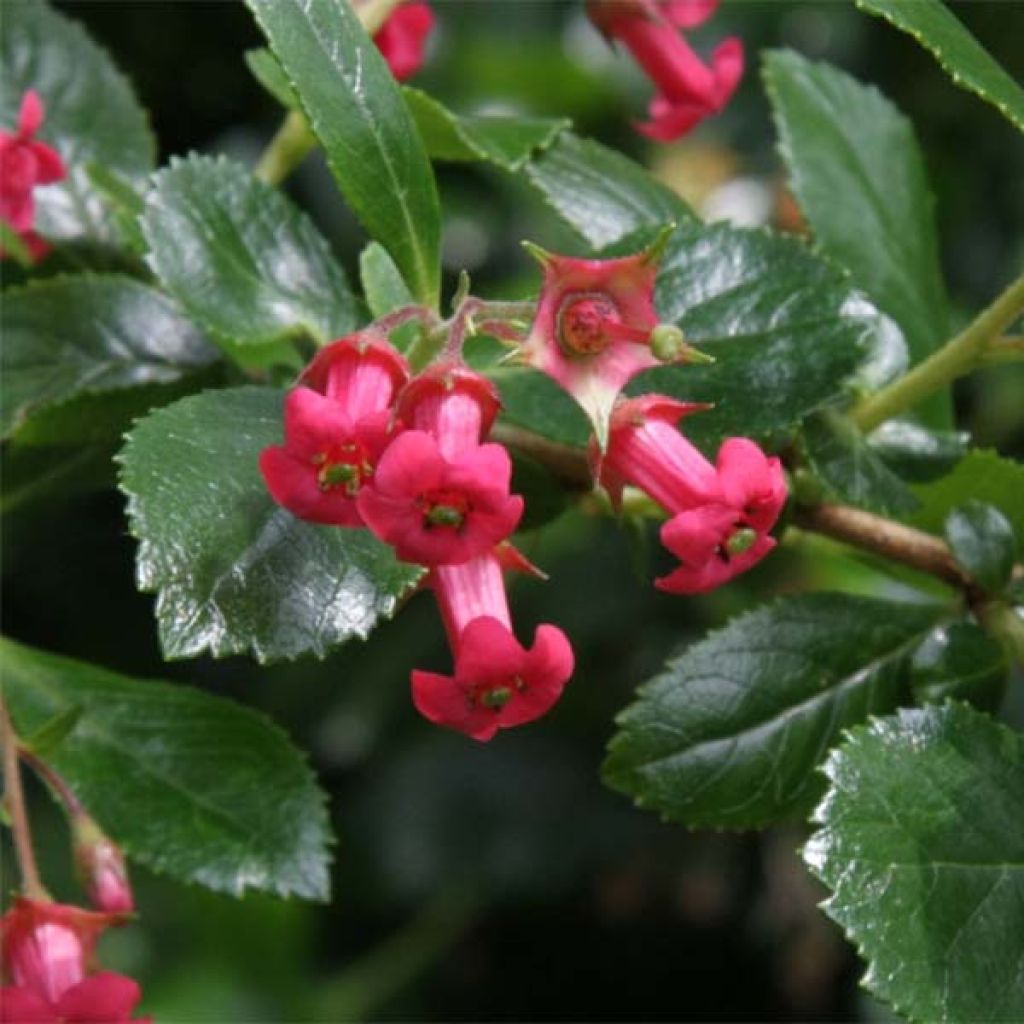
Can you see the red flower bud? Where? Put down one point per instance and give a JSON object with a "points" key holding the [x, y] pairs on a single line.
{"points": [[402, 38], [101, 868]]}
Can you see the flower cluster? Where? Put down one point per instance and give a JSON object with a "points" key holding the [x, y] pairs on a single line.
{"points": [[48, 950], [366, 446], [25, 163], [688, 89]]}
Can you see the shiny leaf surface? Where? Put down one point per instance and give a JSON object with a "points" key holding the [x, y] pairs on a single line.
{"points": [[959, 660], [922, 844], [356, 110], [840, 138], [241, 258], [190, 785], [234, 572], [730, 735], [983, 542]]}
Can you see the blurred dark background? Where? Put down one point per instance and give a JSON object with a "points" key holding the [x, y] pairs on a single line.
{"points": [[502, 882]]}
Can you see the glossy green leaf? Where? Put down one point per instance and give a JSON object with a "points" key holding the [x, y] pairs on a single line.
{"points": [[125, 205], [42, 50], [917, 453], [532, 400], [356, 110], [71, 339], [729, 736], [959, 660], [983, 542], [922, 844], [981, 475], [241, 257], [191, 785], [234, 572], [841, 457], [600, 194], [971, 67], [782, 324], [383, 286], [859, 177], [506, 141], [268, 72]]}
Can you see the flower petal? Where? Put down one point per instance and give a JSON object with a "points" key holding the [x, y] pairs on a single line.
{"points": [[411, 464], [441, 700], [103, 998], [488, 652], [312, 423]]}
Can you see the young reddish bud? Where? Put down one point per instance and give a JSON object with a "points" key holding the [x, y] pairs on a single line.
{"points": [[593, 325], [721, 514], [436, 510], [402, 38], [24, 164], [497, 684], [101, 867], [689, 90], [452, 403], [326, 458], [361, 372]]}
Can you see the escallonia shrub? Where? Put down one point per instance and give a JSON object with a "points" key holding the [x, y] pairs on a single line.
{"points": [[301, 458]]}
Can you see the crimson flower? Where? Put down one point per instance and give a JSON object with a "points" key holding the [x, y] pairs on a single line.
{"points": [[46, 949], [25, 163], [436, 510], [402, 38], [688, 89], [721, 514], [101, 867]]}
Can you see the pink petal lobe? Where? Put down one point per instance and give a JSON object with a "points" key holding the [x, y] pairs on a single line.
{"points": [[103, 998], [441, 700], [410, 464], [688, 13], [694, 535], [49, 166], [30, 115], [488, 652], [312, 423], [23, 1006], [727, 62], [402, 38]]}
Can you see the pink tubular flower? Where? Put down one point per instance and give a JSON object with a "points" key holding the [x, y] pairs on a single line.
{"points": [[721, 514], [593, 326], [402, 38], [688, 89], [435, 510], [497, 683], [335, 428], [25, 163], [46, 950]]}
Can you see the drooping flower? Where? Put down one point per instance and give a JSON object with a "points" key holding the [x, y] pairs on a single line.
{"points": [[402, 38], [721, 514], [46, 952], [436, 510], [688, 89], [497, 683], [25, 163], [336, 426], [101, 867]]}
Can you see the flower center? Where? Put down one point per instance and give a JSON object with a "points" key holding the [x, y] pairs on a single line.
{"points": [[344, 465], [583, 323], [742, 540], [444, 508], [497, 697]]}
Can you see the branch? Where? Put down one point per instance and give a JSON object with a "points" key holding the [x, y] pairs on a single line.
{"points": [[14, 797]]}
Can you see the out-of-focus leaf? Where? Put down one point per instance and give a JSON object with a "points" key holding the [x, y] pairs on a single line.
{"points": [[916, 453], [357, 111], [729, 736], [960, 660], [233, 571], [983, 542], [970, 66], [196, 786], [269, 73], [858, 175], [921, 841]]}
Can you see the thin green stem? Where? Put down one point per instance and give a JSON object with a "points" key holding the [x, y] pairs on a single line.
{"points": [[1008, 349], [958, 356], [14, 797], [288, 148], [1007, 626]]}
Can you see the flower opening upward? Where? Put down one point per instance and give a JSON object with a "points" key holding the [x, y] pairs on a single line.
{"points": [[25, 163], [46, 952], [403, 37], [337, 423], [688, 89], [721, 514], [497, 683]]}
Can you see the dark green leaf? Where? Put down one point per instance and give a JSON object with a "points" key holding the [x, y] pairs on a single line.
{"points": [[782, 324], [356, 110], [730, 734], [857, 172], [52, 733], [72, 338], [922, 844], [32, 474], [916, 453], [852, 471], [982, 476], [935, 27], [241, 258], [233, 571], [91, 115], [532, 400], [192, 785], [506, 141], [125, 204], [983, 542], [960, 660], [269, 73], [600, 194]]}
